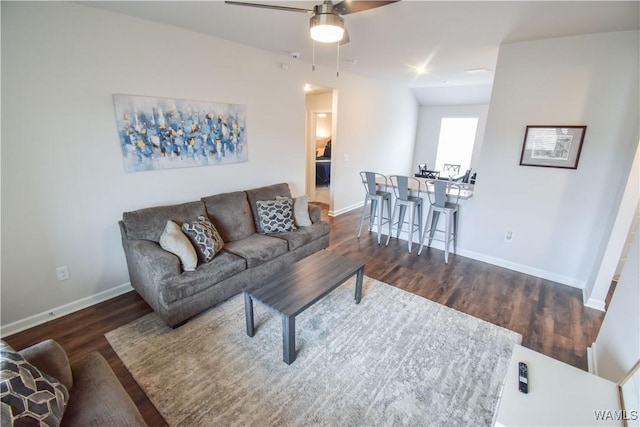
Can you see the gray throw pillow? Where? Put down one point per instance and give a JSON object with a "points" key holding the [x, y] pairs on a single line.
{"points": [[205, 238], [29, 396], [275, 216], [300, 210]]}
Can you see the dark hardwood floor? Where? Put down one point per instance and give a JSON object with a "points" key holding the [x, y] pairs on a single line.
{"points": [[550, 316]]}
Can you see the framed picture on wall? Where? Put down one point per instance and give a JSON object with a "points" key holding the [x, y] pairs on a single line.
{"points": [[164, 133], [552, 146]]}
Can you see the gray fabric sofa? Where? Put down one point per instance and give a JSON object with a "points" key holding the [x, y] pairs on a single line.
{"points": [[247, 257], [96, 397]]}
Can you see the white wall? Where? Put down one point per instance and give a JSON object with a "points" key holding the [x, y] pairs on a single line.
{"points": [[617, 347], [63, 182], [621, 235], [371, 135], [560, 218], [319, 102], [429, 120]]}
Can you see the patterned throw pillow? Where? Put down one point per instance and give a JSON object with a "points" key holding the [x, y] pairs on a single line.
{"points": [[205, 238], [27, 395], [276, 216]]}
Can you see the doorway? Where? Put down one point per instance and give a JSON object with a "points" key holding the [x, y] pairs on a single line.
{"points": [[320, 119], [322, 134]]}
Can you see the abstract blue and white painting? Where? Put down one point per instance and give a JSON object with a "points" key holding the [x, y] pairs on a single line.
{"points": [[163, 133]]}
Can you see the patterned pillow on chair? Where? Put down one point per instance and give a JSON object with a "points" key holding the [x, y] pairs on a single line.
{"points": [[29, 396], [276, 216], [205, 238]]}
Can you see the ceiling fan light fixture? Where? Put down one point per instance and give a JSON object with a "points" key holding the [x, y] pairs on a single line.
{"points": [[326, 27]]}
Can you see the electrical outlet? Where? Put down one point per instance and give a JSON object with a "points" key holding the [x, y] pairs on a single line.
{"points": [[508, 237], [62, 272], [346, 157]]}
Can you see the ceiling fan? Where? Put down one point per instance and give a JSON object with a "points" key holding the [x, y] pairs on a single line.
{"points": [[326, 24]]}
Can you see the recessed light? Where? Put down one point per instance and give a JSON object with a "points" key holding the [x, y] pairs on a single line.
{"points": [[477, 70], [421, 69]]}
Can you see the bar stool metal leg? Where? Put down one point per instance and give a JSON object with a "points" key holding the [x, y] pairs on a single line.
{"points": [[364, 213], [381, 202], [427, 229], [393, 215], [412, 208], [447, 236], [455, 232]]}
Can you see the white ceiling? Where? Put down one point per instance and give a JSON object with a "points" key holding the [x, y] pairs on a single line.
{"points": [[388, 42]]}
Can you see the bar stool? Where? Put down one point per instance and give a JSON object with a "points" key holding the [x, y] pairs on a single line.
{"points": [[439, 204], [402, 185], [450, 170], [377, 199]]}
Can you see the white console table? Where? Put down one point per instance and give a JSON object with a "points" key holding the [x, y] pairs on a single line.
{"points": [[559, 394]]}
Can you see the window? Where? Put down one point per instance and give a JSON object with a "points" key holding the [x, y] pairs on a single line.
{"points": [[455, 144]]}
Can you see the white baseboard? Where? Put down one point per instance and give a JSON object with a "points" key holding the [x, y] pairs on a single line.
{"points": [[592, 364], [54, 313], [532, 271], [345, 210], [596, 303], [510, 265]]}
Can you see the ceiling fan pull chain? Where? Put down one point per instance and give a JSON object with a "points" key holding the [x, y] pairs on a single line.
{"points": [[313, 61], [338, 60]]}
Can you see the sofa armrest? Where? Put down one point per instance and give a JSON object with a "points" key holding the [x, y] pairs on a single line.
{"points": [[315, 213], [50, 358], [98, 398], [148, 264], [147, 259]]}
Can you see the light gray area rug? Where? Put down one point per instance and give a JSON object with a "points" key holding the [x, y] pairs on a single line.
{"points": [[394, 359]]}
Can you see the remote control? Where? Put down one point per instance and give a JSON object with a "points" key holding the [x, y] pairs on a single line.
{"points": [[523, 377]]}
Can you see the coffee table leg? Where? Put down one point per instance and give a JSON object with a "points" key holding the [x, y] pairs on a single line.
{"points": [[359, 276], [248, 313], [288, 339]]}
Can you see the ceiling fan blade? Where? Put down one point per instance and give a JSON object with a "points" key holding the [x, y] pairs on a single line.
{"points": [[352, 6], [270, 6]]}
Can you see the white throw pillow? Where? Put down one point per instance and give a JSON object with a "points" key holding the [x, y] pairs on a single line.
{"points": [[175, 241], [300, 210]]}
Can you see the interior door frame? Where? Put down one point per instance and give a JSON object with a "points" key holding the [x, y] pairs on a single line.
{"points": [[310, 126]]}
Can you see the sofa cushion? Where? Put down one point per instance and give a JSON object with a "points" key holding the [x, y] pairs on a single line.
{"points": [[98, 398], [29, 396], [181, 286], [303, 235], [149, 223], [270, 192], [175, 241], [205, 238], [231, 214], [276, 216], [257, 248]]}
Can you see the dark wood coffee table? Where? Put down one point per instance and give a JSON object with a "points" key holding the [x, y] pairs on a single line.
{"points": [[298, 287]]}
